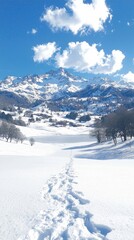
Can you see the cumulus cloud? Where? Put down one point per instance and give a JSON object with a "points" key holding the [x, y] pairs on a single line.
{"points": [[44, 52], [128, 77], [78, 16], [83, 57]]}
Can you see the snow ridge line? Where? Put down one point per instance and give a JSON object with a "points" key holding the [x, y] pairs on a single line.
{"points": [[66, 216]]}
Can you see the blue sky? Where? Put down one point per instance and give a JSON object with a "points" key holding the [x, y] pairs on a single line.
{"points": [[90, 38]]}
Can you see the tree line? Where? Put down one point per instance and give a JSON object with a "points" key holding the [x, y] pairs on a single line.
{"points": [[119, 123], [8, 118]]}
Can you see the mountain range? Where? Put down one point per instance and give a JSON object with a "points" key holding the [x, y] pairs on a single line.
{"points": [[61, 91]]}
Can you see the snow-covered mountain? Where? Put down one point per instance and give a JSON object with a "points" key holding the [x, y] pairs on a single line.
{"points": [[61, 91], [52, 85]]}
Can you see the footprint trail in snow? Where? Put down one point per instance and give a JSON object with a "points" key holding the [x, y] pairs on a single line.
{"points": [[65, 216]]}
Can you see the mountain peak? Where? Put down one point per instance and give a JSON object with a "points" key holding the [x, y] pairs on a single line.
{"points": [[62, 90], [52, 85]]}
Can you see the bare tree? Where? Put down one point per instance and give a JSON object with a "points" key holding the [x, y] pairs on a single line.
{"points": [[4, 130], [99, 134], [10, 132], [32, 141]]}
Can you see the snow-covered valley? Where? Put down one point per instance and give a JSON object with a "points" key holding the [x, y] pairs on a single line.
{"points": [[66, 186]]}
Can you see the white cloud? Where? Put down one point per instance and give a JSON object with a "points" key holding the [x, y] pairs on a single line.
{"points": [[128, 77], [83, 57], [34, 31], [44, 52], [78, 16]]}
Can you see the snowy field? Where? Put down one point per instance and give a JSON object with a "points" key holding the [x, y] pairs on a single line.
{"points": [[66, 187]]}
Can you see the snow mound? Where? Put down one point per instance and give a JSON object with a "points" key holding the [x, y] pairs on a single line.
{"points": [[66, 214]]}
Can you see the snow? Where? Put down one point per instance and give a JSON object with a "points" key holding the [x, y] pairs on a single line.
{"points": [[51, 85], [22, 179], [66, 186]]}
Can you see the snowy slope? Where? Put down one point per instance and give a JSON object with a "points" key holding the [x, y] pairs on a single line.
{"points": [[66, 187], [66, 215]]}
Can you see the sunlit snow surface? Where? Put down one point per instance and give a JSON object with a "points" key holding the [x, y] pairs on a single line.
{"points": [[66, 187]]}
